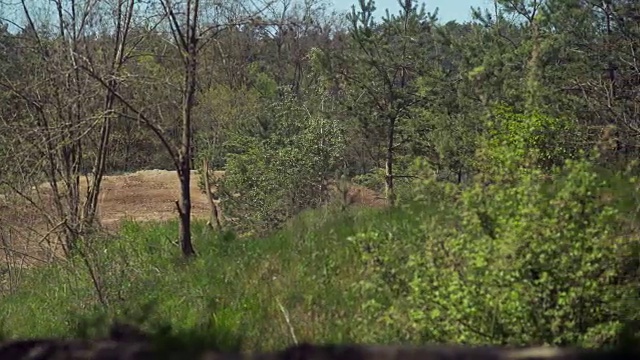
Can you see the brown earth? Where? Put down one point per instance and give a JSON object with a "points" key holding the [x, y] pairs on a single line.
{"points": [[147, 195], [141, 196]]}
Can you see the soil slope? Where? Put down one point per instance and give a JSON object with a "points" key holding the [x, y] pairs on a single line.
{"points": [[146, 195]]}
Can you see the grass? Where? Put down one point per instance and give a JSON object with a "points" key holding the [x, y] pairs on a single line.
{"points": [[295, 285]]}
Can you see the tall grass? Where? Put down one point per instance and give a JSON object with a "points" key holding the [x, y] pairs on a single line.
{"points": [[293, 286]]}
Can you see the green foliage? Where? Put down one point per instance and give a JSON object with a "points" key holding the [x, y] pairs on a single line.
{"points": [[526, 262], [373, 76], [263, 83], [540, 248], [529, 140], [545, 258], [233, 291], [373, 180], [275, 174], [223, 111]]}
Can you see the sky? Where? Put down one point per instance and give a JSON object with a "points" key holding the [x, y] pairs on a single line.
{"points": [[459, 10]]}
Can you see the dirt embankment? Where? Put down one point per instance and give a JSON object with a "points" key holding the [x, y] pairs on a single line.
{"points": [[141, 196], [147, 195]]}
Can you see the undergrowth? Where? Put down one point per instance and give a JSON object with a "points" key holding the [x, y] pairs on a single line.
{"points": [[293, 286], [527, 260]]}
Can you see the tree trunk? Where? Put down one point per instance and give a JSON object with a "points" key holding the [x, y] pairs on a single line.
{"points": [[184, 172], [184, 208], [388, 178], [190, 83]]}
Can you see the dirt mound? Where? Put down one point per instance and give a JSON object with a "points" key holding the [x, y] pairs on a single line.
{"points": [[141, 196], [361, 195], [151, 194], [147, 195]]}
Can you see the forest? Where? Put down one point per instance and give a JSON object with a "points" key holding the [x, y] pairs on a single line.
{"points": [[496, 163]]}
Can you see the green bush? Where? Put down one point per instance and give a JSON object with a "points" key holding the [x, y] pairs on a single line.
{"points": [[547, 257], [274, 176]]}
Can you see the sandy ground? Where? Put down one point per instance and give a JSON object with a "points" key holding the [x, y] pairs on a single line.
{"points": [[141, 196], [147, 195]]}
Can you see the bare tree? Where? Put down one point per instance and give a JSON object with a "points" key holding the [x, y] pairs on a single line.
{"points": [[190, 28], [61, 121]]}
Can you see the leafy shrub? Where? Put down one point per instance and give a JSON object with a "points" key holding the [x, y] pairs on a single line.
{"points": [[546, 257], [517, 141], [276, 174]]}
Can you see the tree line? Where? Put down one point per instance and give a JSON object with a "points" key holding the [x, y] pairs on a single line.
{"points": [[288, 97]]}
